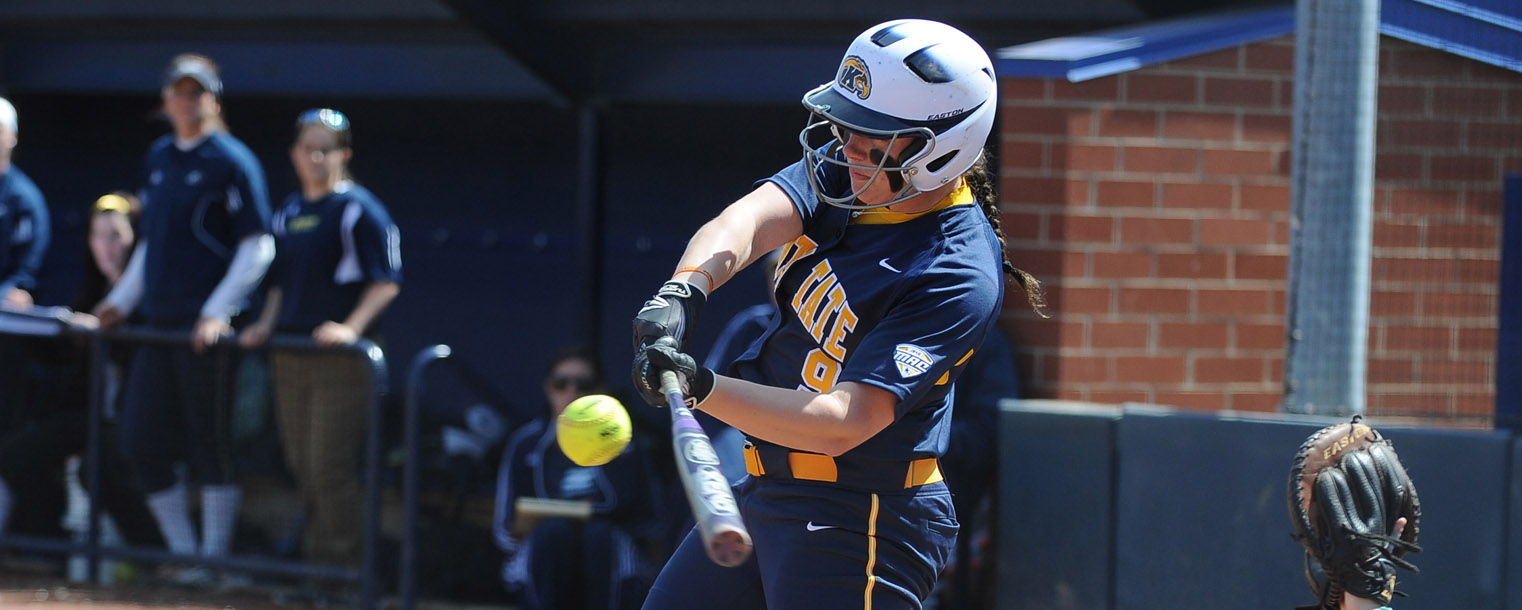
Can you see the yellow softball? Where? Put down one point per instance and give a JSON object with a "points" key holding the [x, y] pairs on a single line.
{"points": [[593, 430]]}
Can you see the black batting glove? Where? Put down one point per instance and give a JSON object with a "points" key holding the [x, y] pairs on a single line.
{"points": [[672, 312], [663, 355]]}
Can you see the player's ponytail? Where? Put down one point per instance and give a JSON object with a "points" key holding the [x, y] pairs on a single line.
{"points": [[982, 185]]}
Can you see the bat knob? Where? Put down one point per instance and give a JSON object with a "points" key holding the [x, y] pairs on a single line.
{"points": [[729, 548]]}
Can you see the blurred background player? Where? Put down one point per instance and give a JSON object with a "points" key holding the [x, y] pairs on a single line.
{"points": [[24, 225], [24, 236], [205, 244], [338, 265], [33, 454], [567, 563], [891, 277]]}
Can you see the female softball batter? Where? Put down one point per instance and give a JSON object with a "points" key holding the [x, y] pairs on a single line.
{"points": [[890, 277], [205, 243]]}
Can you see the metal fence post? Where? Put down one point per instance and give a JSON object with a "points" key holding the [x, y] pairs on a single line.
{"points": [[1331, 226], [407, 589]]}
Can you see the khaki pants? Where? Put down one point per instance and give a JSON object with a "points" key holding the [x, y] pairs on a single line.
{"points": [[320, 404]]}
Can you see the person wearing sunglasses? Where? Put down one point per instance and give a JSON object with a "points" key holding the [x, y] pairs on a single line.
{"points": [[593, 561], [891, 274], [204, 245], [338, 266]]}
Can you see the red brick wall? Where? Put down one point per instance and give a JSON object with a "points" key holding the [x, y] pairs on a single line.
{"points": [[1155, 206], [1448, 129]]}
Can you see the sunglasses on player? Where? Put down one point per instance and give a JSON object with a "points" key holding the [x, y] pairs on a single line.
{"points": [[566, 381]]}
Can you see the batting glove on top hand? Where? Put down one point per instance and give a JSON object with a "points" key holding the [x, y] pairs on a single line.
{"points": [[1347, 494], [651, 360], [672, 312]]}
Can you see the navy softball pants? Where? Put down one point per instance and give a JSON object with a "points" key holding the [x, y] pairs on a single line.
{"points": [[819, 545], [175, 410]]}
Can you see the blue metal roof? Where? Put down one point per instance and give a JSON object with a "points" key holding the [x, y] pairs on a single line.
{"points": [[1484, 30], [1088, 56]]}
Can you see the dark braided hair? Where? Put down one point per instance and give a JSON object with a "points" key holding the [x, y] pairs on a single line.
{"points": [[982, 184]]}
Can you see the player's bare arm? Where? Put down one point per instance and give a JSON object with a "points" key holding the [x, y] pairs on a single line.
{"points": [[831, 423], [375, 299], [259, 332], [750, 227]]}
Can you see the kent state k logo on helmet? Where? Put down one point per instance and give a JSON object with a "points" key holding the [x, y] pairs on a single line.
{"points": [[854, 77]]}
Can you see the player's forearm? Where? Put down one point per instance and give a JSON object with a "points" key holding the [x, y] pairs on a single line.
{"points": [[719, 248], [749, 228], [30, 256], [271, 311], [128, 291], [830, 423], [376, 297], [244, 272], [24, 278]]}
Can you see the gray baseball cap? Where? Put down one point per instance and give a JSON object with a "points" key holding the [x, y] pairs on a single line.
{"points": [[197, 69]]}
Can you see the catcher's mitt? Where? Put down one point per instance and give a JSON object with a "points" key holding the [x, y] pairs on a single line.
{"points": [[1347, 489]]}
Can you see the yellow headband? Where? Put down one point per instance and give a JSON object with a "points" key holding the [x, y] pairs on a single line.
{"points": [[113, 203]]}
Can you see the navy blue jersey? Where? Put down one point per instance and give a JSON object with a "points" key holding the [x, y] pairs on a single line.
{"points": [[327, 252], [24, 231], [738, 334], [892, 300], [197, 205]]}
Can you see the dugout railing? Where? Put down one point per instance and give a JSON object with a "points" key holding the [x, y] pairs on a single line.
{"points": [[54, 324], [417, 389]]}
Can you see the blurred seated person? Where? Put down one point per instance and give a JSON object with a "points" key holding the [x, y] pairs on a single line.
{"points": [[591, 560], [32, 456]]}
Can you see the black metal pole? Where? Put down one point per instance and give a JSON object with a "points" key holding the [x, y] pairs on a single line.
{"points": [[99, 360], [407, 588], [379, 383], [589, 204]]}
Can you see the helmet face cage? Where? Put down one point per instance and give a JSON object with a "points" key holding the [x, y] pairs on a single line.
{"points": [[840, 133], [907, 78]]}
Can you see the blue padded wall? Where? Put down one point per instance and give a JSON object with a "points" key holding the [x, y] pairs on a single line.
{"points": [[1055, 501], [1513, 565], [1463, 480], [1201, 515], [1198, 517]]}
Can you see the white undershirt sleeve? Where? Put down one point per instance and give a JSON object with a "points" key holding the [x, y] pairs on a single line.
{"points": [[128, 291], [243, 275]]}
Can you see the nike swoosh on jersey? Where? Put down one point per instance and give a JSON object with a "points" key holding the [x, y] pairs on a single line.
{"points": [[814, 528], [885, 265]]}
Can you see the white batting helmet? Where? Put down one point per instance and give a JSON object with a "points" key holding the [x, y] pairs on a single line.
{"points": [[908, 78]]}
